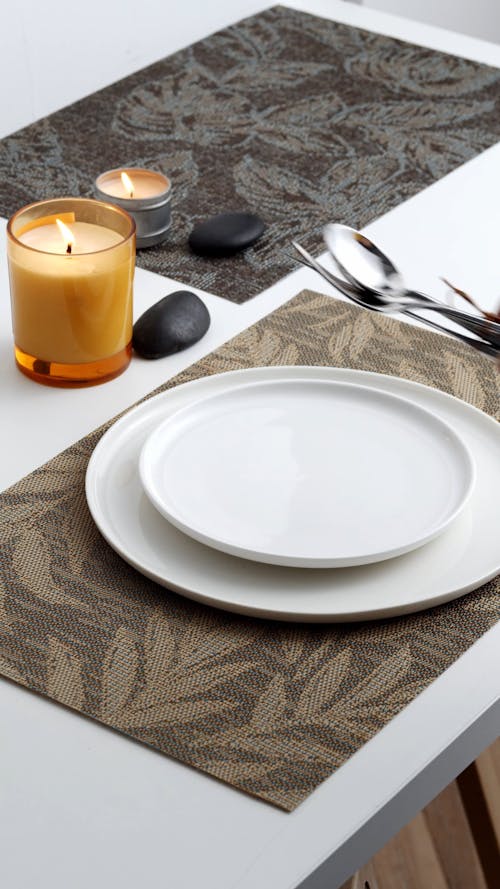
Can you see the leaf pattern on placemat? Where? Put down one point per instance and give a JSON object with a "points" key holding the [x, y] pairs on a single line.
{"points": [[32, 565], [297, 118], [64, 675], [270, 708], [119, 675], [319, 691]]}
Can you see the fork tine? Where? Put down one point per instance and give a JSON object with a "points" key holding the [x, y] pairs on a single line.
{"points": [[312, 263]]}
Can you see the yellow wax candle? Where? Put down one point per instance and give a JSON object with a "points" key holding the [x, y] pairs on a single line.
{"points": [[84, 237], [71, 290]]}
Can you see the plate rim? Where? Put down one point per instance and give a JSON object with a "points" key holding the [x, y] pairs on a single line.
{"points": [[286, 615], [266, 556]]}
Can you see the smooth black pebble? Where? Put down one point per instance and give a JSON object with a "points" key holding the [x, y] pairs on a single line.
{"points": [[225, 234], [171, 325]]}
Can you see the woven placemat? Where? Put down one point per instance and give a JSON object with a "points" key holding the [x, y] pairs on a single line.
{"points": [[297, 118], [268, 707]]}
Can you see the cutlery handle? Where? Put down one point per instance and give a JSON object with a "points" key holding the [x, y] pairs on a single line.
{"points": [[488, 330], [479, 345], [352, 293]]}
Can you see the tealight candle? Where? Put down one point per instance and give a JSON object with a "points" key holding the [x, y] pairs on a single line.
{"points": [[71, 265], [145, 194]]}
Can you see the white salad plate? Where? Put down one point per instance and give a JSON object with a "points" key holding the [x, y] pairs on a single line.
{"points": [[307, 473], [454, 563]]}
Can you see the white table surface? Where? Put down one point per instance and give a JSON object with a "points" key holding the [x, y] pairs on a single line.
{"points": [[81, 806]]}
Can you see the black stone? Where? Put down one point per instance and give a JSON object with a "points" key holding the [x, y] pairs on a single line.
{"points": [[225, 234], [171, 325]]}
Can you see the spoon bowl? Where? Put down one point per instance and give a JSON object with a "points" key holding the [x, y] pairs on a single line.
{"points": [[361, 261]]}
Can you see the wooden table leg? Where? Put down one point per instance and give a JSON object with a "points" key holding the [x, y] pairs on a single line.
{"points": [[452, 837], [363, 879], [479, 788], [453, 844]]}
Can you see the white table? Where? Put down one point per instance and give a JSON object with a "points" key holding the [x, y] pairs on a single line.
{"points": [[81, 806]]}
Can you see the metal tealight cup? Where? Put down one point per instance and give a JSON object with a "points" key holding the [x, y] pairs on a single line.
{"points": [[152, 212]]}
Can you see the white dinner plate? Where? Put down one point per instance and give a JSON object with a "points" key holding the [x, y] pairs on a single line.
{"points": [[307, 473], [458, 561]]}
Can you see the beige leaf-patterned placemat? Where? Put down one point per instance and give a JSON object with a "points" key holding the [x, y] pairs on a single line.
{"points": [[270, 708], [296, 118]]}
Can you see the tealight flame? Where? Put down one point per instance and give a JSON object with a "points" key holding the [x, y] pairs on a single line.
{"points": [[67, 235], [128, 184]]}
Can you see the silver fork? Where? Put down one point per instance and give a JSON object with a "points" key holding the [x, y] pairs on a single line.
{"points": [[355, 294]]}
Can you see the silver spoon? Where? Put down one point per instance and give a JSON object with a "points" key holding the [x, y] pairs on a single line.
{"points": [[357, 295], [365, 266]]}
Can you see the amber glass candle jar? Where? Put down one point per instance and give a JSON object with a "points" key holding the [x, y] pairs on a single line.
{"points": [[71, 268]]}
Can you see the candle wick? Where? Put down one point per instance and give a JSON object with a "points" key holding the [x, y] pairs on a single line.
{"points": [[131, 194], [68, 248]]}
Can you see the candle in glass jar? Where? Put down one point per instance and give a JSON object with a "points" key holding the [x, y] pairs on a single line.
{"points": [[81, 237], [145, 194], [71, 264]]}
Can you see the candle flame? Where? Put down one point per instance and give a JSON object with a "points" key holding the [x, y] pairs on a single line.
{"points": [[67, 235], [127, 184]]}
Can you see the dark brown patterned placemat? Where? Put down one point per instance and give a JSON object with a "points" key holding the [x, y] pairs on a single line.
{"points": [[268, 707], [297, 118]]}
